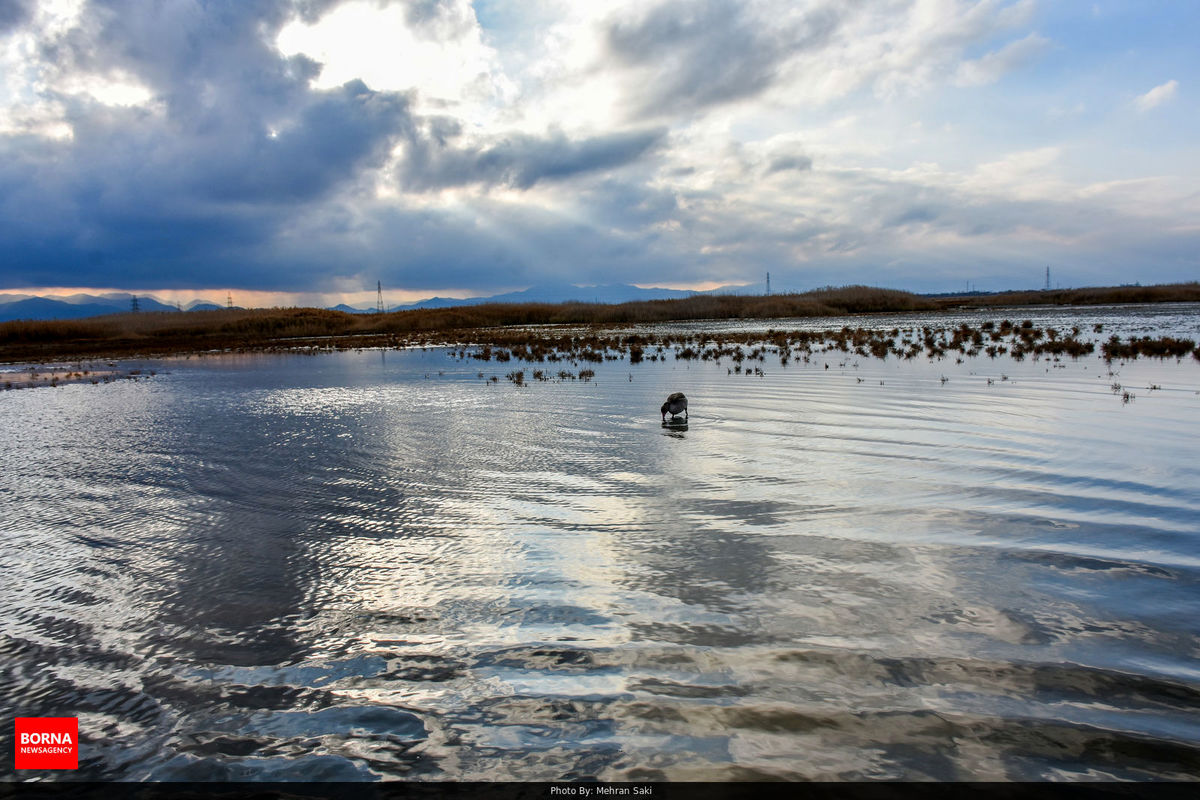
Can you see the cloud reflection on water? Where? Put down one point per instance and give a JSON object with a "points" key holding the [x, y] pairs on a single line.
{"points": [[822, 578]]}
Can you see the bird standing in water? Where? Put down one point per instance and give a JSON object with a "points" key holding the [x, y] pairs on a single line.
{"points": [[675, 403]]}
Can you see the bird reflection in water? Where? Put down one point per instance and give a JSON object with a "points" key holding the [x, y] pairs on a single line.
{"points": [[675, 428]]}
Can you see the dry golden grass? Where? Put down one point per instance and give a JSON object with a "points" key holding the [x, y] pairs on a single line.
{"points": [[160, 332], [1088, 296]]}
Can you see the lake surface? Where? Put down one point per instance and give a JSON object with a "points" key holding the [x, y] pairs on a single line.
{"points": [[368, 565]]}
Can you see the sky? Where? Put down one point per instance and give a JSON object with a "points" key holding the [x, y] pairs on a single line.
{"points": [[302, 150]]}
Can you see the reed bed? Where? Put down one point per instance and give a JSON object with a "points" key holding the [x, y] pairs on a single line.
{"points": [[596, 345], [1086, 296]]}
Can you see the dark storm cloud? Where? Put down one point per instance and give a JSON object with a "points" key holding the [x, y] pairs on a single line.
{"points": [[334, 135], [518, 161], [238, 145], [694, 55], [240, 174], [121, 201], [213, 66]]}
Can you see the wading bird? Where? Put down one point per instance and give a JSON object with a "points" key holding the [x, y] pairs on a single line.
{"points": [[675, 403]]}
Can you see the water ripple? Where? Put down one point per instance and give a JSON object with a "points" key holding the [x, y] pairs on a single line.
{"points": [[334, 568]]}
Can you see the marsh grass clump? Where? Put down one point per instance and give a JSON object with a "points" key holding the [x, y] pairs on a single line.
{"points": [[1162, 347], [936, 343]]}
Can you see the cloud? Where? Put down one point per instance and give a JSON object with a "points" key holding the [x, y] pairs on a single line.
{"points": [[431, 48], [995, 65], [1157, 96], [314, 145], [786, 163], [184, 188], [441, 19], [687, 58], [491, 244], [903, 48], [14, 13], [519, 161], [691, 55]]}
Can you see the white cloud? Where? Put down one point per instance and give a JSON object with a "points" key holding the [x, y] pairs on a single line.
{"points": [[26, 78], [115, 90], [908, 47], [993, 66], [443, 59], [1157, 96]]}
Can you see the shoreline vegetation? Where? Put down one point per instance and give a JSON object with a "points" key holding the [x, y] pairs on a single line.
{"points": [[511, 329]]}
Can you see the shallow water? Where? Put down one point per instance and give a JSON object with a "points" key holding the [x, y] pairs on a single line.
{"points": [[350, 566]]}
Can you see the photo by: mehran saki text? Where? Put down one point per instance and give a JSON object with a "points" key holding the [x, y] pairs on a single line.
{"points": [[602, 791]]}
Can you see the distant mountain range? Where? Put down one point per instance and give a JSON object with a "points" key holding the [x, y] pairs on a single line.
{"points": [[77, 306], [558, 293]]}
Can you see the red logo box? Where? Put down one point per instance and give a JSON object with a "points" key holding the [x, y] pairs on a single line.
{"points": [[47, 743]]}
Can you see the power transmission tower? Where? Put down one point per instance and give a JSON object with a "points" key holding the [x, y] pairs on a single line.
{"points": [[133, 304], [1047, 278], [378, 297], [768, 283], [229, 300]]}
